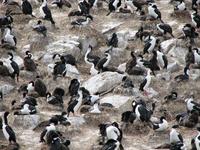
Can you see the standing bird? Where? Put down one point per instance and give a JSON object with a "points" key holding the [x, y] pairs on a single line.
{"points": [[73, 87], [189, 57], [48, 128], [142, 113], [146, 82], [75, 104], [60, 3], [154, 12], [46, 12], [195, 18], [89, 58], [113, 5], [82, 22], [175, 136], [162, 59], [195, 3], [196, 55], [103, 62], [196, 141], [29, 64], [8, 132], [162, 126], [40, 28], [113, 132], [14, 66], [149, 44], [27, 8], [113, 41], [190, 32], [183, 77], [165, 28], [9, 38], [54, 99]]}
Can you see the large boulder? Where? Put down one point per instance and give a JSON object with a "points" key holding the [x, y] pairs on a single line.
{"points": [[63, 45], [103, 82], [116, 100], [26, 121]]}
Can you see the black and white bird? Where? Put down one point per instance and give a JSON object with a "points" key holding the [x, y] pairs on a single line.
{"points": [[83, 7], [103, 62], [189, 57], [180, 6], [190, 32], [73, 87], [69, 59], [146, 82], [128, 116], [40, 28], [89, 58], [197, 140], [29, 63], [26, 110], [1, 95], [9, 38], [113, 5], [75, 104], [46, 12], [38, 86], [162, 126], [95, 109], [82, 22], [195, 3], [142, 112], [112, 145], [134, 5], [154, 12], [27, 8], [172, 96], [195, 18], [54, 99], [61, 3], [165, 28], [114, 132], [62, 118], [183, 77], [6, 20], [50, 127], [12, 65], [196, 55], [8, 132], [175, 136], [149, 44], [192, 105], [113, 41], [162, 59]]}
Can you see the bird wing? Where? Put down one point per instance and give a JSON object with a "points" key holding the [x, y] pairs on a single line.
{"points": [[158, 13], [145, 113], [146, 47], [101, 63], [47, 12], [10, 131], [43, 134], [143, 84], [180, 137], [197, 18]]}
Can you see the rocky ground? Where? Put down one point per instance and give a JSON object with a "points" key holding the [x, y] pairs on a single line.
{"points": [[83, 132]]}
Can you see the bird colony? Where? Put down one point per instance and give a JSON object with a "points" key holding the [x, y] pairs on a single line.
{"points": [[99, 74]]}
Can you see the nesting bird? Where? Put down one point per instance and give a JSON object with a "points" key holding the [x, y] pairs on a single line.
{"points": [[113, 5], [183, 77], [162, 126], [165, 28], [40, 28], [46, 12], [195, 18], [154, 12], [27, 8], [82, 22], [180, 6], [29, 63], [9, 38]]}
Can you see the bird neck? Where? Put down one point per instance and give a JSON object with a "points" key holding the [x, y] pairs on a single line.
{"points": [[44, 3], [5, 119], [8, 31]]}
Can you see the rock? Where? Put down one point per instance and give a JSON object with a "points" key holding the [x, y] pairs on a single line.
{"points": [[6, 88], [173, 67], [151, 93], [122, 67], [26, 74], [166, 45], [110, 26], [19, 61], [115, 100], [26, 121], [76, 121], [195, 74], [164, 76], [127, 34], [85, 42], [178, 53], [64, 45], [103, 82]]}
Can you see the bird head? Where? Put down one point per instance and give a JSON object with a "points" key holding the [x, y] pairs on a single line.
{"points": [[89, 17]]}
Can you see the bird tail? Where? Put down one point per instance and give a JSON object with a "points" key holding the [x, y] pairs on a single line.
{"points": [[172, 35], [52, 21], [161, 20]]}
